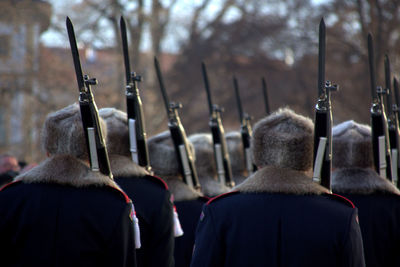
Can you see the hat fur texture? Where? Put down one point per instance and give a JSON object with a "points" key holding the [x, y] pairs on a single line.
{"points": [[117, 131], [352, 145], [205, 165], [163, 158], [63, 133], [236, 154], [283, 139]]}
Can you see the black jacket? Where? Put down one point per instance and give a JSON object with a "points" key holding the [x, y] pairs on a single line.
{"points": [[154, 209], [62, 214], [278, 217], [378, 203]]}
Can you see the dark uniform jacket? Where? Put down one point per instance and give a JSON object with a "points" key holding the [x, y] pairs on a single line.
{"points": [[278, 217], [154, 210], [378, 203], [189, 204], [62, 214]]}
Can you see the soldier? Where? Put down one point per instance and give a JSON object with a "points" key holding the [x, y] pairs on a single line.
{"points": [[9, 168], [205, 165], [61, 213], [188, 201], [236, 155], [150, 194], [377, 200], [278, 216]]}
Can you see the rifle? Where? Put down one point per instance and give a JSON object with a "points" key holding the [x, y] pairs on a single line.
{"points": [[396, 111], [245, 130], [136, 125], [178, 135], [379, 126], [221, 154], [323, 119], [393, 124], [90, 117], [265, 93]]}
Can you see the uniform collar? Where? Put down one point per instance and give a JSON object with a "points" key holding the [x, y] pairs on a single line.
{"points": [[280, 180], [361, 181]]}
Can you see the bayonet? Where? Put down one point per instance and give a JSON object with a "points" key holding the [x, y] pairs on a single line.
{"points": [[221, 153], [265, 93], [95, 143], [184, 153]]}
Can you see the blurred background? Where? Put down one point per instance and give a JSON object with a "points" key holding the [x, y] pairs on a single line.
{"points": [[251, 39]]}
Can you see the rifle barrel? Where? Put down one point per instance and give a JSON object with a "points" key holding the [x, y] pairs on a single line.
{"points": [[207, 85], [239, 102], [161, 81], [265, 92], [389, 107], [321, 57], [371, 61], [396, 91]]}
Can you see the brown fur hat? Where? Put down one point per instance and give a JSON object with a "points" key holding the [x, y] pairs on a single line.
{"points": [[236, 154], [283, 139], [62, 133], [352, 145], [117, 131], [204, 151], [163, 159]]}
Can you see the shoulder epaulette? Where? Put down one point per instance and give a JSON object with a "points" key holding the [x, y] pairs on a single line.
{"points": [[221, 196], [9, 184], [158, 180], [341, 199]]}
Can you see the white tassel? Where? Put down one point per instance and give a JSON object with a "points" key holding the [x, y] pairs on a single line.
{"points": [[177, 225], [135, 221]]}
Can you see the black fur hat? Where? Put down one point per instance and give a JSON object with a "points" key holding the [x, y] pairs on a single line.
{"points": [[351, 145], [62, 133], [283, 139], [117, 131]]}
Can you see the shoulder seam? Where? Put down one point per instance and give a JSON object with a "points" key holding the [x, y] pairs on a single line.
{"points": [[343, 199], [158, 179], [221, 196]]}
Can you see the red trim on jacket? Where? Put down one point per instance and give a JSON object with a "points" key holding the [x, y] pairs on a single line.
{"points": [[221, 196]]}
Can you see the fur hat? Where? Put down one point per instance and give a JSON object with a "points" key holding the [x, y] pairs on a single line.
{"points": [[117, 131], [62, 133], [163, 159], [204, 151], [236, 154], [283, 139], [206, 166], [352, 145]]}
